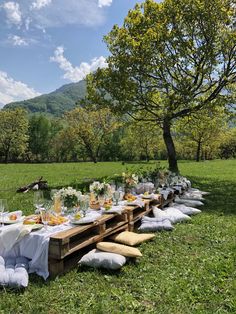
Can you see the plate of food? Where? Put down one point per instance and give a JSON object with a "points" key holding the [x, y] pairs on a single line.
{"points": [[32, 220], [11, 218], [146, 195]]}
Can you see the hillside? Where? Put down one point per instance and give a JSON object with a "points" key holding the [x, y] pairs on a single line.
{"points": [[55, 103]]}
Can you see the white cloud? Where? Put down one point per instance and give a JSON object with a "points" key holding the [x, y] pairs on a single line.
{"points": [[75, 74], [43, 14], [39, 4], [11, 90], [103, 3], [17, 40], [13, 13]]}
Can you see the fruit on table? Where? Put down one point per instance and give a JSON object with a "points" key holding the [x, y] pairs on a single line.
{"points": [[13, 217], [77, 216]]}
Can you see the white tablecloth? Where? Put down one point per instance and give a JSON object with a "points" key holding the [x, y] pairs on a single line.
{"points": [[34, 246]]}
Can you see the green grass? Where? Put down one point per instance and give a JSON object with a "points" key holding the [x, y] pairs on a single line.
{"points": [[190, 270]]}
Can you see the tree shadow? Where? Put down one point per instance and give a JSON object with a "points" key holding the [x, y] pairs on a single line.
{"points": [[222, 197]]}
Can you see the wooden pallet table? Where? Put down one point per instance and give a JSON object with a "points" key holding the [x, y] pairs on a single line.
{"points": [[135, 213], [169, 199], [66, 247]]}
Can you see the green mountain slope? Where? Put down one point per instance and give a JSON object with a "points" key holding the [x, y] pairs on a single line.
{"points": [[55, 103]]}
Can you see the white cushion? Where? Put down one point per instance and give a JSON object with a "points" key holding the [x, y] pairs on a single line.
{"points": [[152, 226], [97, 259], [192, 196], [191, 203], [13, 272], [171, 213], [186, 209]]}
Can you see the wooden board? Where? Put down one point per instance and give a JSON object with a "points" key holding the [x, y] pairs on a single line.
{"points": [[67, 242], [67, 247], [60, 266]]}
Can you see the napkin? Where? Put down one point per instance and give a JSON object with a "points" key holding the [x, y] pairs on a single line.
{"points": [[9, 235], [91, 216], [113, 210]]}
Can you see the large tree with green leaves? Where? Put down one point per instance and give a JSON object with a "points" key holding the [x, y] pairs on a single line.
{"points": [[203, 130], [91, 128], [13, 133], [168, 60]]}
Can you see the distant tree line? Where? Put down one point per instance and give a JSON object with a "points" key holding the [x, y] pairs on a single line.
{"points": [[91, 134]]}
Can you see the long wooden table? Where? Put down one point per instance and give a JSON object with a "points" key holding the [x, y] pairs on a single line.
{"points": [[67, 247]]}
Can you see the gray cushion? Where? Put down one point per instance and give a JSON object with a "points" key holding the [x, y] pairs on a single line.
{"points": [[187, 210], [154, 225], [97, 259], [13, 272]]}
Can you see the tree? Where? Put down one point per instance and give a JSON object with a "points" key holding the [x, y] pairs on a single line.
{"points": [[228, 145], [13, 135], [91, 128], [39, 136], [204, 129], [168, 60], [141, 140]]}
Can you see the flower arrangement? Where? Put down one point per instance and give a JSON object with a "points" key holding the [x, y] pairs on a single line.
{"points": [[130, 180], [70, 196], [99, 189]]}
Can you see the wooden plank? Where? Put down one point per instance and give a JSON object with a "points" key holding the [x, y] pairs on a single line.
{"points": [[60, 266], [66, 242]]}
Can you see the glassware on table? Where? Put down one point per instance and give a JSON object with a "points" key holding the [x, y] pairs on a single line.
{"points": [[101, 199], [57, 204], [116, 197], [52, 193], [84, 203], [3, 207], [38, 200], [45, 213]]}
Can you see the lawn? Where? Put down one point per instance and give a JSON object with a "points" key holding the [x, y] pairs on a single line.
{"points": [[190, 270]]}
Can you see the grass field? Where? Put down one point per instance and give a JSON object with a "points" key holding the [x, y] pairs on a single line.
{"points": [[190, 270]]}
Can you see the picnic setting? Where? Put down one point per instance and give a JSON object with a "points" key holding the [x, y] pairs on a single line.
{"points": [[118, 157]]}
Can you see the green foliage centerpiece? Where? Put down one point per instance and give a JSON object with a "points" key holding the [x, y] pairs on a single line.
{"points": [[69, 196]]}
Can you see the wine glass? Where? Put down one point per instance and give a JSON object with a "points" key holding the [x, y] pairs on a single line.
{"points": [[38, 200], [52, 193], [45, 213], [116, 197], [84, 203], [3, 207]]}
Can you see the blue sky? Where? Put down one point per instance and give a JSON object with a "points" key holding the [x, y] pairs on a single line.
{"points": [[47, 43]]}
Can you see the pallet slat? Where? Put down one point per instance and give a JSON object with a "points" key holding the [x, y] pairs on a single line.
{"points": [[67, 247]]}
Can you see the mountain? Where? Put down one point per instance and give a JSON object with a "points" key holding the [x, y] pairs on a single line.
{"points": [[55, 103]]}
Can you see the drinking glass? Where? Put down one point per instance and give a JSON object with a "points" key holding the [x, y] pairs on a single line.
{"points": [[3, 207], [116, 197], [45, 213], [52, 193], [84, 203], [38, 200]]}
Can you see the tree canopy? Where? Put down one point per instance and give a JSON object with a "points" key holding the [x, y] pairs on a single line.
{"points": [[168, 60]]}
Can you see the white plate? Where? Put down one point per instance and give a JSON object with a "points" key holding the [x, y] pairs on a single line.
{"points": [[7, 221], [131, 203], [80, 222], [146, 196]]}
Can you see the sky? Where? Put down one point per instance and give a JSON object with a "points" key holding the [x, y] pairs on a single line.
{"points": [[45, 44]]}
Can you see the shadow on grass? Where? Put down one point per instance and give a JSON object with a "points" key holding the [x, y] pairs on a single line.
{"points": [[222, 197]]}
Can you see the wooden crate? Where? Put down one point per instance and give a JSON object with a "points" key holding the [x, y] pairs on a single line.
{"points": [[60, 266], [169, 199], [65, 247]]}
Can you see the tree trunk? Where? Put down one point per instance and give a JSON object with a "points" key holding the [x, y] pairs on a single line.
{"points": [[198, 151], [172, 160]]}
